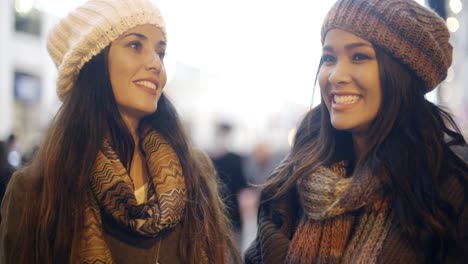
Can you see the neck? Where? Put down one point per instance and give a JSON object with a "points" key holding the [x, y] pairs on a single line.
{"points": [[132, 124], [359, 144]]}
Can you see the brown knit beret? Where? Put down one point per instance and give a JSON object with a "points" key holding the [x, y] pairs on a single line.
{"points": [[411, 33]]}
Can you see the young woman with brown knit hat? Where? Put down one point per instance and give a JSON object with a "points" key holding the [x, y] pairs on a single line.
{"points": [[371, 177], [116, 180]]}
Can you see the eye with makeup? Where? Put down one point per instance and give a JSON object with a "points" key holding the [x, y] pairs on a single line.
{"points": [[360, 56], [327, 59], [161, 54], [135, 45]]}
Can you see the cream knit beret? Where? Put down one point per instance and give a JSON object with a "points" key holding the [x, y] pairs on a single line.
{"points": [[411, 33], [86, 31]]}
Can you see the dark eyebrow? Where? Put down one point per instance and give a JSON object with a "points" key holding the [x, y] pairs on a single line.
{"points": [[138, 35], [357, 45], [160, 44], [349, 46], [327, 48]]}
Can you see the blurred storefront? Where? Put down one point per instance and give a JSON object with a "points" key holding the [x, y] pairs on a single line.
{"points": [[27, 102]]}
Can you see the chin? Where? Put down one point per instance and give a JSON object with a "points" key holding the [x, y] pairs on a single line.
{"points": [[353, 128], [142, 112], [341, 125], [149, 111]]}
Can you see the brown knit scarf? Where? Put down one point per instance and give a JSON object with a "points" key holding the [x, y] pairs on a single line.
{"points": [[112, 193], [329, 230]]}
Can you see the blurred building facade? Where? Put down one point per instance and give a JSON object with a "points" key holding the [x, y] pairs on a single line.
{"points": [[454, 91], [27, 75]]}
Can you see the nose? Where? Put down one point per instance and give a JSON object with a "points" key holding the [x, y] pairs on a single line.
{"points": [[155, 63], [340, 73]]}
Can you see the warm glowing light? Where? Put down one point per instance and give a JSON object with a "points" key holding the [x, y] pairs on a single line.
{"points": [[456, 6], [291, 135], [453, 24], [23, 6]]}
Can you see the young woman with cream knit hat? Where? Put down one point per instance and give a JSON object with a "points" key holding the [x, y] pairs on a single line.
{"points": [[371, 177], [116, 179]]}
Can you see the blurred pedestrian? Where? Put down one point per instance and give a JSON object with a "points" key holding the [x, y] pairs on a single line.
{"points": [[261, 163], [258, 165], [229, 166]]}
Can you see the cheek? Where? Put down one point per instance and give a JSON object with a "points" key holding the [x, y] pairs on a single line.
{"points": [[376, 93], [121, 73], [378, 102], [116, 71], [163, 77], [119, 80], [117, 83], [322, 79]]}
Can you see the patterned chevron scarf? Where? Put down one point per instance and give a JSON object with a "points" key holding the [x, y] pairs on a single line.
{"points": [[329, 231], [112, 192]]}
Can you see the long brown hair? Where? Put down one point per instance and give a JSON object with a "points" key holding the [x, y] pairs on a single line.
{"points": [[408, 149], [53, 221]]}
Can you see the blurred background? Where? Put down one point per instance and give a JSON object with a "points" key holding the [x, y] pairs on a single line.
{"points": [[241, 74]]}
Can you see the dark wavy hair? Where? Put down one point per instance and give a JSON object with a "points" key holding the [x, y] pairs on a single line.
{"points": [[408, 148], [67, 156]]}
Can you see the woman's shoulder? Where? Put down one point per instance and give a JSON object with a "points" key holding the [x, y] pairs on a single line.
{"points": [[23, 180], [22, 188], [20, 195]]}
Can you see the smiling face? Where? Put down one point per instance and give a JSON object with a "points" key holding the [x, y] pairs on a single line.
{"points": [[349, 81], [137, 72]]}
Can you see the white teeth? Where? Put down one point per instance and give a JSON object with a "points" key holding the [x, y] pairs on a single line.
{"points": [[147, 84], [345, 99]]}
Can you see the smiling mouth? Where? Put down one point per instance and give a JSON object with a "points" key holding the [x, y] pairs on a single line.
{"points": [[147, 84], [345, 99]]}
